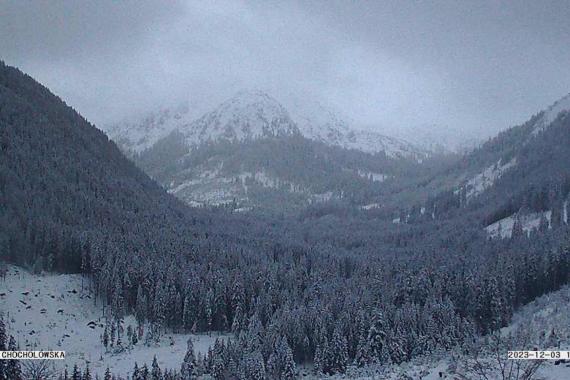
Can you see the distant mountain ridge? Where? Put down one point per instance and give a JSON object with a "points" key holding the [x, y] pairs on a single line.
{"points": [[255, 114]]}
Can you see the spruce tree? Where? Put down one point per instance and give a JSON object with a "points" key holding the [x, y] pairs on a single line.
{"points": [[252, 366], [3, 343], [144, 374], [338, 352], [13, 370], [109, 377], [288, 364], [87, 373], [280, 363], [136, 372], [105, 338], [187, 371], [218, 360], [155, 372], [320, 360], [76, 374], [377, 337], [362, 352]]}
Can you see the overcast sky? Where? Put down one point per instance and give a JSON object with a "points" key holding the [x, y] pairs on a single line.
{"points": [[475, 65]]}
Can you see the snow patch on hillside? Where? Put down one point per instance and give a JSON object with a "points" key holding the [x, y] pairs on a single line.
{"points": [[504, 227], [370, 206], [322, 197], [58, 312], [487, 178], [373, 142], [318, 122], [375, 177]]}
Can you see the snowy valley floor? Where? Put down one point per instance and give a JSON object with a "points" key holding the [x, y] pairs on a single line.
{"points": [[57, 312]]}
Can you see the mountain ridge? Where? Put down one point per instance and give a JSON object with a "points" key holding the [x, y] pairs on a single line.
{"points": [[254, 114]]}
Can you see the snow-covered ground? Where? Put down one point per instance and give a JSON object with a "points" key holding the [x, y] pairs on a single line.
{"points": [[58, 312], [504, 228], [541, 318]]}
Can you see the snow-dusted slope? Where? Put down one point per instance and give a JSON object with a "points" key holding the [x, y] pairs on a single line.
{"points": [[246, 116], [372, 142], [324, 124], [529, 222], [58, 312], [439, 138], [484, 180], [551, 114], [140, 134], [318, 122]]}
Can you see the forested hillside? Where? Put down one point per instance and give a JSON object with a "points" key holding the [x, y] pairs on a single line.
{"points": [[66, 190], [517, 180], [280, 174]]}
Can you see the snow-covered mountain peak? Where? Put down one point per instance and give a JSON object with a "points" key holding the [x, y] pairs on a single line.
{"points": [[247, 115]]}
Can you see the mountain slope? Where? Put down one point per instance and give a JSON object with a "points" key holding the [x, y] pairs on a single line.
{"points": [[61, 178], [136, 136], [279, 173], [63, 183], [517, 181], [326, 125], [550, 114]]}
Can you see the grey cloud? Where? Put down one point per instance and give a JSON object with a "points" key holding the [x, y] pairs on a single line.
{"points": [[478, 66]]}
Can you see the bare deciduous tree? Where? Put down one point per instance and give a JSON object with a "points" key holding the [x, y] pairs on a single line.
{"points": [[39, 370], [488, 359]]}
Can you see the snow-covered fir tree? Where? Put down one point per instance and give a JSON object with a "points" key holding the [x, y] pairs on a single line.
{"points": [[188, 368]]}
